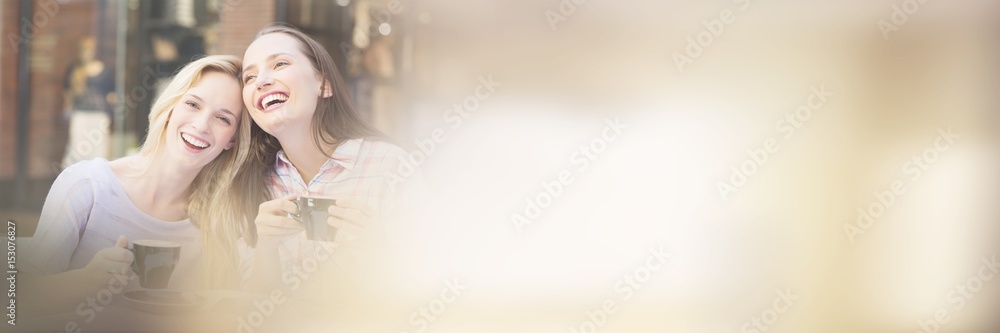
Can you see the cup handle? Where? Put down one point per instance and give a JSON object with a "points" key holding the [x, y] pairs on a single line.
{"points": [[135, 268], [297, 217]]}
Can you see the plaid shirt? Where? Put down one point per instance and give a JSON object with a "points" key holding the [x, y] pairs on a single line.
{"points": [[360, 169]]}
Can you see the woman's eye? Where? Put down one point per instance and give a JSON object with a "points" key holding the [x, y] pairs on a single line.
{"points": [[225, 120], [280, 63], [248, 78], [191, 104]]}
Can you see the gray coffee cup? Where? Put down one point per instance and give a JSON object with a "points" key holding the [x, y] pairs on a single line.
{"points": [[313, 213], [154, 262]]}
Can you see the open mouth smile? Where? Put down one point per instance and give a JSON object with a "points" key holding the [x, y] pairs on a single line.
{"points": [[271, 101], [194, 143]]}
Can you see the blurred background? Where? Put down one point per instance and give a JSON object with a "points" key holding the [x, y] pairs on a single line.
{"points": [[697, 85]]}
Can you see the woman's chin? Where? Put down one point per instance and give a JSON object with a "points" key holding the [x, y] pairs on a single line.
{"points": [[182, 159], [275, 127]]}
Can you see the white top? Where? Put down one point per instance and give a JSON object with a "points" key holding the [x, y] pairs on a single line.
{"points": [[86, 210]]}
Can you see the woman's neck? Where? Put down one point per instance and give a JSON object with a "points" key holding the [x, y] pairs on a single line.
{"points": [[158, 189], [303, 153]]}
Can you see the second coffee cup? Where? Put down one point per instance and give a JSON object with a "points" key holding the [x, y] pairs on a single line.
{"points": [[313, 213]]}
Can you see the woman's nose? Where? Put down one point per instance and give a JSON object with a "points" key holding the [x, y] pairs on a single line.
{"points": [[264, 80], [201, 123]]}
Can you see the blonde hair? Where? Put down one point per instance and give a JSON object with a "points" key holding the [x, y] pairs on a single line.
{"points": [[208, 207]]}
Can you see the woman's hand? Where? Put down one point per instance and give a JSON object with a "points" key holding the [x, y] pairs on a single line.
{"points": [[110, 264], [109, 269], [354, 220], [273, 223]]}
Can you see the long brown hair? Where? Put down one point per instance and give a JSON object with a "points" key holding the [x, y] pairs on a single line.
{"points": [[334, 121]]}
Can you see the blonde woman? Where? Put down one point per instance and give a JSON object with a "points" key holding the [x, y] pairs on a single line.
{"points": [[165, 191]]}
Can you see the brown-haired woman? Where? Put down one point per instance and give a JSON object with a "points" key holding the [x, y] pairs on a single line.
{"points": [[308, 140]]}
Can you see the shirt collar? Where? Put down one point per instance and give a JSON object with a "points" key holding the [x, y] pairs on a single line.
{"points": [[346, 155]]}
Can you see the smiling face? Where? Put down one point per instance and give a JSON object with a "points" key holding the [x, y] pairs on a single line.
{"points": [[204, 121], [281, 86]]}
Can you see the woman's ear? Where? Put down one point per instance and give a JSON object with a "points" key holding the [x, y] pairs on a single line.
{"points": [[230, 144], [327, 89]]}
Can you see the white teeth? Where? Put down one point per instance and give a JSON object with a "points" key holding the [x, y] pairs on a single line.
{"points": [[273, 97], [194, 141]]}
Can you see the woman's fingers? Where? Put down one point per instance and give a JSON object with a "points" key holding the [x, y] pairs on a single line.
{"points": [[116, 267], [110, 261], [345, 226], [116, 255], [274, 214], [353, 219], [349, 214], [281, 206], [358, 205], [273, 221], [122, 242], [120, 252], [354, 211], [287, 205], [278, 225]]}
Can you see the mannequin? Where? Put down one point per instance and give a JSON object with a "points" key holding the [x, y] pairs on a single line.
{"points": [[87, 95]]}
